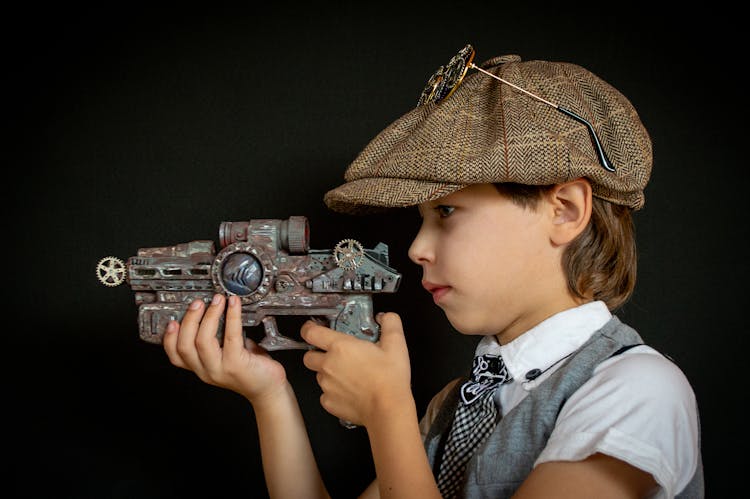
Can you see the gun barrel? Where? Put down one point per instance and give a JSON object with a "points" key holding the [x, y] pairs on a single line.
{"points": [[181, 267]]}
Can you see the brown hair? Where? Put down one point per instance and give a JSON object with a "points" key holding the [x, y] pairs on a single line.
{"points": [[601, 262]]}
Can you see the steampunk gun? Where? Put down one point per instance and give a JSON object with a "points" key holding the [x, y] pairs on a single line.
{"points": [[270, 266]]}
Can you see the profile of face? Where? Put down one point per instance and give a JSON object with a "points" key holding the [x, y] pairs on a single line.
{"points": [[491, 265]]}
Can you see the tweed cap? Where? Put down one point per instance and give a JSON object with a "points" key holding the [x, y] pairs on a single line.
{"points": [[489, 132]]}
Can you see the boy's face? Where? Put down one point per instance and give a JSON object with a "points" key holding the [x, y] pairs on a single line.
{"points": [[489, 263]]}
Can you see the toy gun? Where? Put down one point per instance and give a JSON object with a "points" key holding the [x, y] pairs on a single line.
{"points": [[270, 266]]}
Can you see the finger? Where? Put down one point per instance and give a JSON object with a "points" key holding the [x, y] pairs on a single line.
{"points": [[209, 324], [233, 339], [249, 344], [206, 343], [317, 335], [186, 335], [334, 407], [313, 360], [391, 330], [254, 348], [169, 342]]}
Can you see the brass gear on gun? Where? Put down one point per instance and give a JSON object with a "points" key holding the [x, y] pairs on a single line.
{"points": [[110, 271], [349, 254]]}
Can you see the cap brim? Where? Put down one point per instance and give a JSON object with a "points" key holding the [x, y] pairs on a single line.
{"points": [[371, 195]]}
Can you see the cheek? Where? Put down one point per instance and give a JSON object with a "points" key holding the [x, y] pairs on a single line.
{"points": [[522, 245], [479, 272], [495, 268], [494, 256]]}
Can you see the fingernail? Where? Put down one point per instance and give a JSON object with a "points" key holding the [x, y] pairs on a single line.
{"points": [[379, 316], [234, 301], [216, 299], [171, 326], [195, 305]]}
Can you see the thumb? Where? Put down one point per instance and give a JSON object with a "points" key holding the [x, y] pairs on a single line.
{"points": [[391, 329]]}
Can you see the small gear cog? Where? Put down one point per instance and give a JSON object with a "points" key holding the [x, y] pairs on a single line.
{"points": [[349, 254], [110, 271]]}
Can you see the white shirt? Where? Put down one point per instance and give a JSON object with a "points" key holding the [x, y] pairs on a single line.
{"points": [[637, 407]]}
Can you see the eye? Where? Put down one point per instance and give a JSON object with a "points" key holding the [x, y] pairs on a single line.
{"points": [[444, 211]]}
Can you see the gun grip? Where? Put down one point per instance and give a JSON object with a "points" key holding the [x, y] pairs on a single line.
{"points": [[356, 318]]}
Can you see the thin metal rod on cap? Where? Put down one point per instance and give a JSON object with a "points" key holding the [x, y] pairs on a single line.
{"points": [[474, 66], [603, 159]]}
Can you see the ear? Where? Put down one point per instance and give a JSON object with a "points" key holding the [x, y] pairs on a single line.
{"points": [[570, 210]]}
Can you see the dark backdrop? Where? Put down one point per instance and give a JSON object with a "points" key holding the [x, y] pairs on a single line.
{"points": [[148, 127]]}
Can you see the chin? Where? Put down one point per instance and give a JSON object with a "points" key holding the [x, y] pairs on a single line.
{"points": [[465, 326]]}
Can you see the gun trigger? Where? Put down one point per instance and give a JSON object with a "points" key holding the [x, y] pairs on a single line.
{"points": [[276, 341], [318, 321]]}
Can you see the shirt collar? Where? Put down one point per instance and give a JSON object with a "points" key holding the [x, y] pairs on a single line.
{"points": [[548, 342]]}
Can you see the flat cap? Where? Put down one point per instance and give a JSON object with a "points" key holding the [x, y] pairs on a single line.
{"points": [[489, 132]]}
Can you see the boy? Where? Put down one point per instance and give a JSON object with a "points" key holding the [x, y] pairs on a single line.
{"points": [[527, 241]]}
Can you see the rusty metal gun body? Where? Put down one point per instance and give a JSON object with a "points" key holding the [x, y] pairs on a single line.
{"points": [[269, 265]]}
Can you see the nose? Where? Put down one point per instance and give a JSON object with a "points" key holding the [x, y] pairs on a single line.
{"points": [[421, 250]]}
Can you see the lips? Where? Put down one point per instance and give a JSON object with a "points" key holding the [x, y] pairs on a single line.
{"points": [[436, 290]]}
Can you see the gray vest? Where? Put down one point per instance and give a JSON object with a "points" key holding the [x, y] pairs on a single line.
{"points": [[507, 457]]}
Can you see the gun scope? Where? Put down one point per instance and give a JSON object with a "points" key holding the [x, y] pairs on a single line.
{"points": [[293, 233]]}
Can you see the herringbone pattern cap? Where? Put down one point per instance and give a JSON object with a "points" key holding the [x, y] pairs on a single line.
{"points": [[488, 132]]}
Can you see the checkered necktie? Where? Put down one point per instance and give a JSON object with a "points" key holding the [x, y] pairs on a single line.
{"points": [[475, 418]]}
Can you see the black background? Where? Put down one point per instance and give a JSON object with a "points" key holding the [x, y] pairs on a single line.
{"points": [[149, 126]]}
